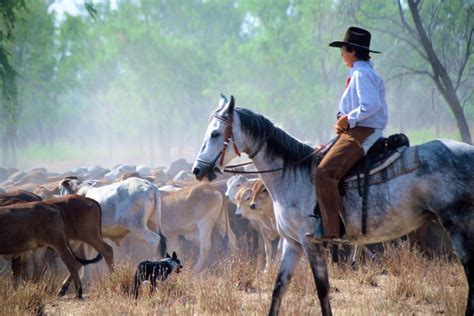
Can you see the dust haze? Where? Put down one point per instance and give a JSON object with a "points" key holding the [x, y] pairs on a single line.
{"points": [[104, 126]]}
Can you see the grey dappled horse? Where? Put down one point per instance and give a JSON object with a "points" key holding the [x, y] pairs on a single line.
{"points": [[440, 187]]}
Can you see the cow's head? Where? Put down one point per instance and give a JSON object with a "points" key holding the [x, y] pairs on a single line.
{"points": [[69, 185], [242, 198], [260, 195]]}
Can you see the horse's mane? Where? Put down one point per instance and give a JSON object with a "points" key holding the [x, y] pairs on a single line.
{"points": [[279, 144]]}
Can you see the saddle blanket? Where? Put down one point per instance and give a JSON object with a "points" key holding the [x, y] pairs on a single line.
{"points": [[402, 161]]}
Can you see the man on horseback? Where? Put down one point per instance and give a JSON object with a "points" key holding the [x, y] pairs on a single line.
{"points": [[362, 117]]}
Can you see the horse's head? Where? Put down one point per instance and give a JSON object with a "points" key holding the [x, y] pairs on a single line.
{"points": [[219, 145]]}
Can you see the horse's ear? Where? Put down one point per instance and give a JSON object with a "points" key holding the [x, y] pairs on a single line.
{"points": [[224, 99], [230, 108], [167, 255], [175, 256]]}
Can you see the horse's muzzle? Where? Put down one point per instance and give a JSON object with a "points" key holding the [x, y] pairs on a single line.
{"points": [[205, 171]]}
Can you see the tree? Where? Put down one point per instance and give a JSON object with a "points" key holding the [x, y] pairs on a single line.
{"points": [[463, 31], [435, 40], [9, 11]]}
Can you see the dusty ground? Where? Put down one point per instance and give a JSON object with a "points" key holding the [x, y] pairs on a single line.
{"points": [[403, 283]]}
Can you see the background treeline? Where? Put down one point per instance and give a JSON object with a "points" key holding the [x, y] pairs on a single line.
{"points": [[136, 84]]}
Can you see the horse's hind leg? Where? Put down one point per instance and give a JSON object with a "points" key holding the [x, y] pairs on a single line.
{"points": [[317, 259], [460, 229], [464, 247], [290, 257]]}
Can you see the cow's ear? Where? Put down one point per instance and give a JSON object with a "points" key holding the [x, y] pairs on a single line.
{"points": [[167, 255], [174, 255]]}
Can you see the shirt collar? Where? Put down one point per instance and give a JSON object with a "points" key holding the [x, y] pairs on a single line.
{"points": [[360, 64]]}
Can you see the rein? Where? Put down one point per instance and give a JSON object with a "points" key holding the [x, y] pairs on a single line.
{"points": [[229, 134], [326, 147]]}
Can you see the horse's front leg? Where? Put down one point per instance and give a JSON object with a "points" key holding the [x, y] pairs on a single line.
{"points": [[317, 259], [289, 259]]}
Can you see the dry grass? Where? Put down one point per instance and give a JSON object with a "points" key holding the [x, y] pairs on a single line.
{"points": [[404, 282]]}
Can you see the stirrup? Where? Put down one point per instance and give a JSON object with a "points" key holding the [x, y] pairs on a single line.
{"points": [[318, 232]]}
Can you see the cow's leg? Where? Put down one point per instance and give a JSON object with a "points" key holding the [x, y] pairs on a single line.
{"points": [[290, 256], [204, 243], [19, 266], [268, 250], [72, 265], [353, 252], [316, 255], [104, 249], [173, 244], [39, 263], [150, 238], [335, 254], [50, 258]]}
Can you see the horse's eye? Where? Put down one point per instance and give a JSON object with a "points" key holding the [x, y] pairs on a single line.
{"points": [[215, 134]]}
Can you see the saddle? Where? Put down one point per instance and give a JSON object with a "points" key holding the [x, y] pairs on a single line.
{"points": [[377, 157], [373, 168], [383, 153]]}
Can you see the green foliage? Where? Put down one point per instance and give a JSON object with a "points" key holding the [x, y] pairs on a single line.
{"points": [[145, 76]]}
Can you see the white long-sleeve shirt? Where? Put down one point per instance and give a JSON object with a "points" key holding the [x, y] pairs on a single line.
{"points": [[363, 101]]}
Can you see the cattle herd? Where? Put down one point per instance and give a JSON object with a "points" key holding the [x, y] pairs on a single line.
{"points": [[74, 219]]}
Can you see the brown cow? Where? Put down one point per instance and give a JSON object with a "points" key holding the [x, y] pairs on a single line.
{"points": [[82, 218], [27, 226], [19, 264], [18, 196]]}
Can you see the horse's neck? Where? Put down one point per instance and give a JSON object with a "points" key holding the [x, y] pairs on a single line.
{"points": [[279, 183]]}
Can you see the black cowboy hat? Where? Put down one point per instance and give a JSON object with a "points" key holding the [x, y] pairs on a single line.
{"points": [[355, 37]]}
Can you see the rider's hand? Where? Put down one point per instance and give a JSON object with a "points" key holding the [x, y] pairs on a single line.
{"points": [[320, 147], [342, 125]]}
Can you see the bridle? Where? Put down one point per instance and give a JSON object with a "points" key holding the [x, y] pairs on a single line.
{"points": [[228, 135]]}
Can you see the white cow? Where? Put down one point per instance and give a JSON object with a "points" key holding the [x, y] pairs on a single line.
{"points": [[129, 208], [235, 183], [193, 212], [119, 171], [255, 204]]}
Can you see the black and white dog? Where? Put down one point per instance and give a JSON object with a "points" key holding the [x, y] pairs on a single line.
{"points": [[151, 270]]}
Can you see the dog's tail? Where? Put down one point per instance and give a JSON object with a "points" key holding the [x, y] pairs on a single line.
{"points": [[136, 283]]}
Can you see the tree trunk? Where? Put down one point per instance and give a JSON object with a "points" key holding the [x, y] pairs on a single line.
{"points": [[440, 75], [9, 146]]}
